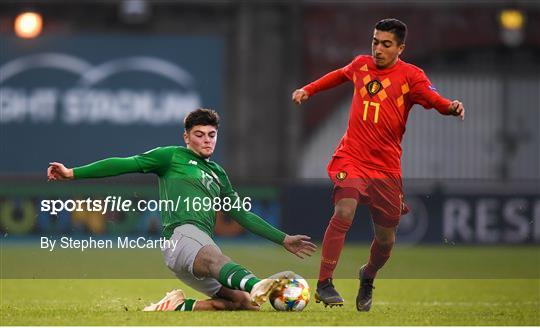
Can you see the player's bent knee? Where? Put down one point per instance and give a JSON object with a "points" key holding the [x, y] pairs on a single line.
{"points": [[208, 261], [345, 211], [346, 201], [385, 235], [385, 240], [221, 260]]}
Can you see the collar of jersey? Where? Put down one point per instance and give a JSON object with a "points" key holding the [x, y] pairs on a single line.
{"points": [[186, 149], [384, 70]]}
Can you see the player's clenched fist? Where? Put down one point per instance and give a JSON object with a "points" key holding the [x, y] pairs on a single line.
{"points": [[57, 171], [299, 95], [456, 108]]}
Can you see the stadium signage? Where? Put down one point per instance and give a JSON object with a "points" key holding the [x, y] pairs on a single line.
{"points": [[89, 100], [102, 95], [505, 216], [491, 220]]}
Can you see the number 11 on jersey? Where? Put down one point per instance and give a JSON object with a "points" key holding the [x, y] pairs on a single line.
{"points": [[368, 104]]}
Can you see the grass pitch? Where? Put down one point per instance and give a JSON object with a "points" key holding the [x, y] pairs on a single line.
{"points": [[511, 299]]}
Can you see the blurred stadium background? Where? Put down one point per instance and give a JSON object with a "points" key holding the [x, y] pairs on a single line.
{"points": [[116, 78]]}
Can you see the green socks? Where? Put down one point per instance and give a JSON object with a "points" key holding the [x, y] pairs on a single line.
{"points": [[235, 276], [187, 305], [231, 275]]}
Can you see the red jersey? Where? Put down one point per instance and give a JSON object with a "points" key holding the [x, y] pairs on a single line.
{"points": [[381, 103]]}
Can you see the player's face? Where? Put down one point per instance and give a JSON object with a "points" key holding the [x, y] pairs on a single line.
{"points": [[385, 49], [201, 139]]}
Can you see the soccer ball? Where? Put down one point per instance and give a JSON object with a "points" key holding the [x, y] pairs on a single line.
{"points": [[294, 296]]}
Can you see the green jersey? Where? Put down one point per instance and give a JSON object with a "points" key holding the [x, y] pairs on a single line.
{"points": [[197, 188]]}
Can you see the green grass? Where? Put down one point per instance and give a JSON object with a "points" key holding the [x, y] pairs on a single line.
{"points": [[432, 262], [513, 298], [397, 302]]}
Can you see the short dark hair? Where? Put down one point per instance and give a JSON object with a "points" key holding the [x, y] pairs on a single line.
{"points": [[394, 26], [201, 116]]}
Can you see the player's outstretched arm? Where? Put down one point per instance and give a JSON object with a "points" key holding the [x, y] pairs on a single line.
{"points": [[57, 171], [104, 168], [456, 108], [299, 245], [328, 81], [299, 95], [424, 94], [155, 161]]}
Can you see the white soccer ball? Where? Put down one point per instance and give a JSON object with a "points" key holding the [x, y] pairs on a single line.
{"points": [[293, 297]]}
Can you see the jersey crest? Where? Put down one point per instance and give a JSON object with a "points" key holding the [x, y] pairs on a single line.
{"points": [[341, 175], [373, 87]]}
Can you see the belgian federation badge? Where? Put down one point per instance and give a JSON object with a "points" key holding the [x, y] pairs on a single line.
{"points": [[341, 175], [373, 87]]}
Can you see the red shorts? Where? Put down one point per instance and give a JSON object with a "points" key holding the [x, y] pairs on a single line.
{"points": [[381, 191]]}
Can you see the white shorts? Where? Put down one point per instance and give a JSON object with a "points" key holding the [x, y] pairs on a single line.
{"points": [[180, 260]]}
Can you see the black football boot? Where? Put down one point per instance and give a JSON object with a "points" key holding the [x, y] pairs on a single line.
{"points": [[365, 292], [327, 294]]}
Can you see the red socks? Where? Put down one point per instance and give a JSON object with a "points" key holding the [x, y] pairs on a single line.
{"points": [[379, 254], [333, 241], [334, 237]]}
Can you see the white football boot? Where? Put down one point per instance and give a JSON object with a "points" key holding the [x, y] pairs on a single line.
{"points": [[168, 303], [260, 292]]}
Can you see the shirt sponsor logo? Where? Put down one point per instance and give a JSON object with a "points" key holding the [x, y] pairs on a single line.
{"points": [[192, 162]]}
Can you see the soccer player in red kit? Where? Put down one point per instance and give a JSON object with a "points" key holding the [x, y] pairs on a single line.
{"points": [[365, 167]]}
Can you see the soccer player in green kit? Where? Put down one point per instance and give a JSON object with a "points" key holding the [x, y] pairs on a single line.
{"points": [[187, 172]]}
